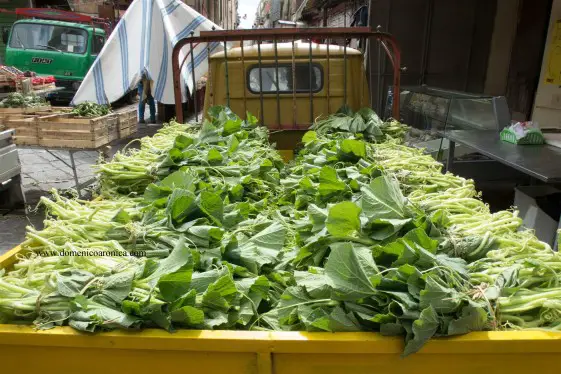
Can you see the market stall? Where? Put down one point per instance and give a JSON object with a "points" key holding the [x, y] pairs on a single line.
{"points": [[15, 80], [467, 131], [87, 127]]}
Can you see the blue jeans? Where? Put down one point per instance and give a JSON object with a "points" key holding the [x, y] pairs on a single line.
{"points": [[142, 105]]}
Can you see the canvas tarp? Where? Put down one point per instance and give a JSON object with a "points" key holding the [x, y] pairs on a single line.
{"points": [[142, 43]]}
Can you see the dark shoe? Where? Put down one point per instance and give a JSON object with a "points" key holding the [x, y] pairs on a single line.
{"points": [[142, 121], [153, 121]]}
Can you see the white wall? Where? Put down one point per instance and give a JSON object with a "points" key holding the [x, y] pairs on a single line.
{"points": [[547, 105]]}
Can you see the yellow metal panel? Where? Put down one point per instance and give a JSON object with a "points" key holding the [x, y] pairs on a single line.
{"points": [[292, 112], [351, 363], [286, 154], [64, 350], [10, 257], [47, 360], [285, 49]]}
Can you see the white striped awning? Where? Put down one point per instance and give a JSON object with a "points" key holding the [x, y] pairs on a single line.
{"points": [[142, 43]]}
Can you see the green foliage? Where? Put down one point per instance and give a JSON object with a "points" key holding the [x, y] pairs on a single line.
{"points": [[351, 236], [18, 100], [91, 110]]}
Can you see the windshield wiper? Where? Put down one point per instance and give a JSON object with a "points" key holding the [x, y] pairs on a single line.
{"points": [[49, 47]]}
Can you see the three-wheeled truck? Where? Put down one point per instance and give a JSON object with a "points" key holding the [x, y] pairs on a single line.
{"points": [[287, 85]]}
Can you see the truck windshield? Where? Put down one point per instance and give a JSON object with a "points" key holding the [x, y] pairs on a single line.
{"points": [[49, 37]]}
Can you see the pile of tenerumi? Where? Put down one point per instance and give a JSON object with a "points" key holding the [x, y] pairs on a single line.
{"points": [[359, 233]]}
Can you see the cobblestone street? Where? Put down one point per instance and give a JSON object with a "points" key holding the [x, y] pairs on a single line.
{"points": [[43, 171]]}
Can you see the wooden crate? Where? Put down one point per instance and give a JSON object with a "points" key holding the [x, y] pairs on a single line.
{"points": [[25, 140], [44, 86], [25, 127], [31, 110], [128, 123], [55, 110], [69, 131]]}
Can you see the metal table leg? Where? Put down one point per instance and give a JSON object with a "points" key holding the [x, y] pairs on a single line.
{"points": [[73, 166], [450, 157]]}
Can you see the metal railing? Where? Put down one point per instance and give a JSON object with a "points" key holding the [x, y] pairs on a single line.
{"points": [[262, 36]]}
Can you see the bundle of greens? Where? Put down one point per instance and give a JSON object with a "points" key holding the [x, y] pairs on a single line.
{"points": [[506, 262], [365, 122], [359, 233], [18, 100], [89, 109]]}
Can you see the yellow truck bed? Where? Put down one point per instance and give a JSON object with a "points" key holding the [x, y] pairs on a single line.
{"points": [[64, 350]]}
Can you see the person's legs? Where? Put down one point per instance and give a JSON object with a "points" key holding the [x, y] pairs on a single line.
{"points": [[141, 105], [152, 106]]}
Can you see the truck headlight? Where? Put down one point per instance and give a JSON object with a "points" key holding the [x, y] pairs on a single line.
{"points": [[76, 85]]}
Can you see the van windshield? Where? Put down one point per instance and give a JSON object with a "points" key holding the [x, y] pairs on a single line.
{"points": [[49, 37]]}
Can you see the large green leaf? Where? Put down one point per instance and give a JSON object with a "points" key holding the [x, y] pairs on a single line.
{"points": [[383, 229], [349, 270], [180, 179], [262, 249], [309, 137], [472, 318], [174, 285], [343, 220], [200, 281], [254, 291], [209, 134], [352, 150], [383, 199], [188, 316], [181, 205], [179, 258], [91, 316], [314, 281], [212, 206], [442, 298], [231, 126], [115, 287], [70, 283], [214, 157], [423, 329], [331, 319], [329, 183], [220, 294], [318, 216]]}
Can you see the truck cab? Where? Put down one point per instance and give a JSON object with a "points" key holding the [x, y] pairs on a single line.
{"points": [[65, 50], [289, 86]]}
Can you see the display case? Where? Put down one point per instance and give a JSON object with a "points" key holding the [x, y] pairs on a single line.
{"points": [[438, 110]]}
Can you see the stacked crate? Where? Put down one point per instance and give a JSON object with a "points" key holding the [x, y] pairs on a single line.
{"points": [[127, 123], [22, 120], [25, 127], [9, 76], [70, 131]]}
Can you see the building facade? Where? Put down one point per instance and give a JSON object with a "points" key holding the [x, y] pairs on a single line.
{"points": [[222, 12], [7, 19]]}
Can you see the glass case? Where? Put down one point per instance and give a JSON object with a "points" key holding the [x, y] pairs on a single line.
{"points": [[437, 110]]}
